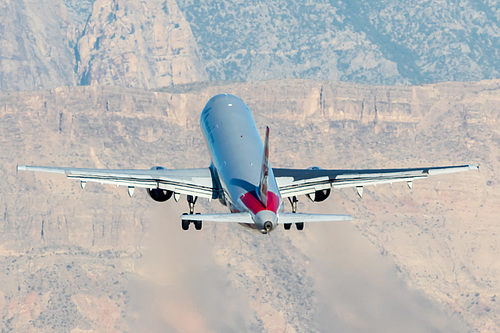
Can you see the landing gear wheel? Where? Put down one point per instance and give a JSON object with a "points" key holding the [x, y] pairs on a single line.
{"points": [[300, 225], [287, 226], [185, 223], [197, 224]]}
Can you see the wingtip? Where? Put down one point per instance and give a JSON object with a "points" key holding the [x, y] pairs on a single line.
{"points": [[473, 167]]}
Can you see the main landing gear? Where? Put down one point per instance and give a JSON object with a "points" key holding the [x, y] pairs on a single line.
{"points": [[300, 225], [185, 223]]}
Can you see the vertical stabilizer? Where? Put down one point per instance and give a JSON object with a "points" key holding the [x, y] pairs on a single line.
{"points": [[264, 175]]}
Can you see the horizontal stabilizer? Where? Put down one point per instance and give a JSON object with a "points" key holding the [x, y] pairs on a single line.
{"points": [[223, 218], [297, 218]]}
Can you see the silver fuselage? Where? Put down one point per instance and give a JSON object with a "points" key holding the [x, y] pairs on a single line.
{"points": [[236, 151]]}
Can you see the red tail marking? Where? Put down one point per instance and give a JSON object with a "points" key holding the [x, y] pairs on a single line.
{"points": [[251, 201]]}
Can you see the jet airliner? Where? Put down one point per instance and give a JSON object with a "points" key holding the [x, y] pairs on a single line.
{"points": [[240, 176]]}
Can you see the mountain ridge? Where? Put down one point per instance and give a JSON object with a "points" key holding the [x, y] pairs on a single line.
{"points": [[162, 43]]}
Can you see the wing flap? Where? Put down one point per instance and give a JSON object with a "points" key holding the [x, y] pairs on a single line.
{"points": [[293, 182], [197, 182]]}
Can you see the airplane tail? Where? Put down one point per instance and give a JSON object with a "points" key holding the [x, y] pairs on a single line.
{"points": [[264, 175]]}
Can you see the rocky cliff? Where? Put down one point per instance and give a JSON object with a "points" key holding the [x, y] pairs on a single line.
{"points": [[154, 44], [138, 44], [96, 260]]}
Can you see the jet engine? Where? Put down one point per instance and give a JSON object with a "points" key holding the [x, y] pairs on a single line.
{"points": [[159, 195], [319, 196]]}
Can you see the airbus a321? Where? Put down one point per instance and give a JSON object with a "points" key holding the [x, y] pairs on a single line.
{"points": [[241, 177]]}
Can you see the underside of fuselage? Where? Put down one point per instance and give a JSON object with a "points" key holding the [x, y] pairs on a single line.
{"points": [[240, 161]]}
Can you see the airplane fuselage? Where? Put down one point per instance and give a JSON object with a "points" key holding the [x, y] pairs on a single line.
{"points": [[237, 151]]}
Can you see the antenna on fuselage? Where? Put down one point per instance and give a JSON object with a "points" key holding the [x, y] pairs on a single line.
{"points": [[264, 174]]}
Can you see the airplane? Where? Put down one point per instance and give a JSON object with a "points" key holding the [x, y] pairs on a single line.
{"points": [[240, 176]]}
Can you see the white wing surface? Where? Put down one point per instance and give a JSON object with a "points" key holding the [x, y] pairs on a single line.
{"points": [[223, 218], [282, 218], [195, 182], [294, 182], [299, 217]]}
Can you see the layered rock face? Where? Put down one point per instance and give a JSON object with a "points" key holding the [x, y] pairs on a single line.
{"points": [[138, 44], [100, 261], [158, 43], [34, 51], [49, 44]]}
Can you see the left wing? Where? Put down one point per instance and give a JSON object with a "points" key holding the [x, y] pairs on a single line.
{"points": [[294, 182], [195, 182]]}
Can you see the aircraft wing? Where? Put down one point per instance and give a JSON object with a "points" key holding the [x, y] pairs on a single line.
{"points": [[282, 218], [195, 182], [223, 218], [300, 217], [294, 182]]}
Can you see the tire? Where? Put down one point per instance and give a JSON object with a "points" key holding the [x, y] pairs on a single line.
{"points": [[287, 226], [185, 224], [300, 225], [197, 225]]}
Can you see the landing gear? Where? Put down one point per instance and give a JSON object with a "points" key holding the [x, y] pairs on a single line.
{"points": [[191, 202], [185, 223], [300, 225], [293, 201], [198, 224]]}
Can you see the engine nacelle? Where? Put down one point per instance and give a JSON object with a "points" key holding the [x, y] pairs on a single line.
{"points": [[319, 196], [159, 195]]}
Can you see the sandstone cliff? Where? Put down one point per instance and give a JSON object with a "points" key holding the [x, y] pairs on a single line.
{"points": [[132, 44], [98, 260], [157, 43], [34, 51]]}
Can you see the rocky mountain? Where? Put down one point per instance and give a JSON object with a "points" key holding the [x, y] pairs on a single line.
{"points": [[34, 50], [160, 43], [418, 260]]}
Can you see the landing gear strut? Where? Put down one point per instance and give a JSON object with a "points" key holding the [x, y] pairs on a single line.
{"points": [[293, 202], [191, 202], [185, 223]]}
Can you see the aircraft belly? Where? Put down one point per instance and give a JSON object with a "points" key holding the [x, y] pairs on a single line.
{"points": [[234, 143], [236, 150]]}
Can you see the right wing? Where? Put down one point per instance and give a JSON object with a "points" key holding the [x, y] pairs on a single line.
{"points": [[195, 182], [294, 182]]}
